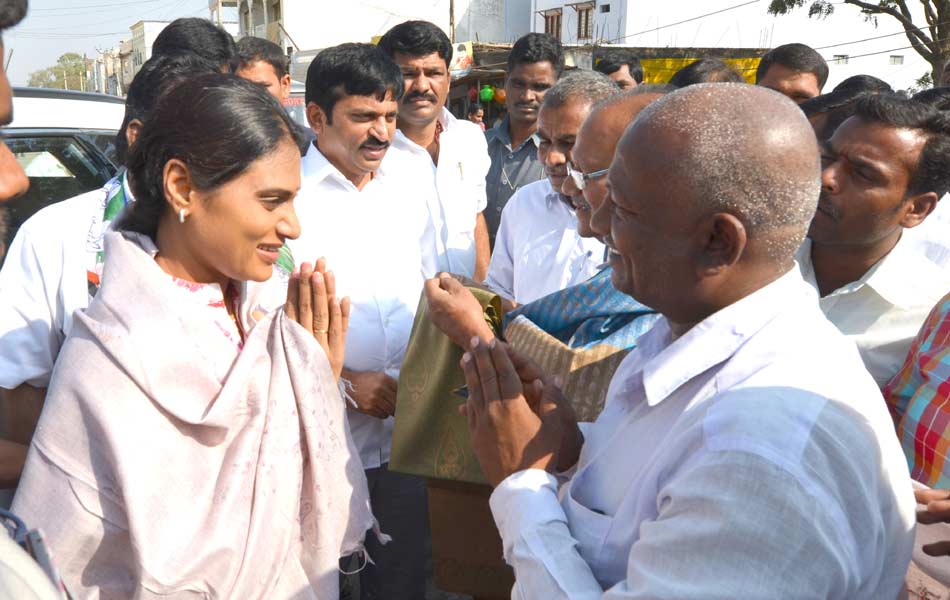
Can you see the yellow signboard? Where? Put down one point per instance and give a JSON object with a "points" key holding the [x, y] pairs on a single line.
{"points": [[660, 70]]}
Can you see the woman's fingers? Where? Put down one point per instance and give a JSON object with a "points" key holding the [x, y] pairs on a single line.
{"points": [[305, 302], [321, 307], [345, 312], [293, 296]]}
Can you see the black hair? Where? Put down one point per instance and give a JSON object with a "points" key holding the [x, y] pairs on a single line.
{"points": [[938, 97], [797, 57], [474, 107], [253, 49], [706, 70], [229, 123], [417, 38], [197, 36], [932, 173], [351, 70], [863, 83], [535, 48], [157, 76], [11, 12], [612, 63]]}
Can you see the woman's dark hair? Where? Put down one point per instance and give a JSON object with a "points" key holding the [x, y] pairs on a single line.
{"points": [[197, 36], [11, 13], [534, 48], [474, 107], [351, 70], [797, 57], [706, 70], [216, 124], [157, 75], [932, 173], [938, 97], [417, 38]]}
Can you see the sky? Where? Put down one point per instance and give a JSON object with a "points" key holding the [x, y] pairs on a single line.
{"points": [[54, 27]]}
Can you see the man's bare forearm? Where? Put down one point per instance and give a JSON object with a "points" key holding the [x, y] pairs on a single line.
{"points": [[482, 248]]}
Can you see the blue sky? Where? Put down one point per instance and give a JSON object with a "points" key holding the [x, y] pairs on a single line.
{"points": [[54, 27]]}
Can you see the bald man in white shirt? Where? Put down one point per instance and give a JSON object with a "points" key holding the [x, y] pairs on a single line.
{"points": [[743, 451]]}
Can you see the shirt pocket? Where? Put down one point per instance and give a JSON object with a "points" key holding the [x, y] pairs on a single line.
{"points": [[589, 526]]}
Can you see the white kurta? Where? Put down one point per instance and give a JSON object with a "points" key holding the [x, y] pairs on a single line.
{"points": [[371, 240], [537, 249], [753, 457]]}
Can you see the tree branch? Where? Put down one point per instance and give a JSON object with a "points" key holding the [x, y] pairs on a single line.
{"points": [[917, 39]]}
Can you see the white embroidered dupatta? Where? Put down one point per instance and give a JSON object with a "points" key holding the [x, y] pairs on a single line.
{"points": [[154, 478]]}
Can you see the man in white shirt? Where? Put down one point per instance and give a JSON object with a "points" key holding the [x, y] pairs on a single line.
{"points": [[538, 250], [55, 262], [363, 215], [451, 155], [883, 171], [744, 451]]}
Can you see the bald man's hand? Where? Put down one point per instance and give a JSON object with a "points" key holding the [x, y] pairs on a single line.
{"points": [[507, 435], [455, 311]]}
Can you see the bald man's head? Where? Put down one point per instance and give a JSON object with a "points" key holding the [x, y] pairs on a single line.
{"points": [[718, 183], [735, 148], [594, 151]]}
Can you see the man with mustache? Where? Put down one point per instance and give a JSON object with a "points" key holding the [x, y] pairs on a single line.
{"points": [[740, 452], [534, 64], [450, 154], [538, 250], [884, 169], [363, 213]]}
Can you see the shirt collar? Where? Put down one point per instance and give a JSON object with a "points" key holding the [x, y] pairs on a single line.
{"points": [[317, 168], [503, 135], [902, 278], [668, 363], [126, 188]]}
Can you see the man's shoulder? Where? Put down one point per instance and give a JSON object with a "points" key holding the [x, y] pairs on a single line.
{"points": [[66, 219]]}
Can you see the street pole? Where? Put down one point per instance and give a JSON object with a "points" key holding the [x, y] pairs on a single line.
{"points": [[452, 20]]}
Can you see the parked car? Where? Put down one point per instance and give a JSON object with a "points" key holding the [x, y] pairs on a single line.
{"points": [[64, 141]]}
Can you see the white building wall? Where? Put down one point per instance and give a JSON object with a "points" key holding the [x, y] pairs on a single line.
{"points": [[651, 23]]}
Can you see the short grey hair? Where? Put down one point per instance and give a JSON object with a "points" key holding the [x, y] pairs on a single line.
{"points": [[589, 86]]}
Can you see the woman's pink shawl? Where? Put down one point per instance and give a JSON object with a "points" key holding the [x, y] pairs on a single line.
{"points": [[152, 476]]}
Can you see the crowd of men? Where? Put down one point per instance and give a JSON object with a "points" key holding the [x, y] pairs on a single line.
{"points": [[789, 247]]}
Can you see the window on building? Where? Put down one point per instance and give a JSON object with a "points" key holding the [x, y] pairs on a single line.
{"points": [[840, 59], [552, 23], [896, 59], [585, 22], [605, 8]]}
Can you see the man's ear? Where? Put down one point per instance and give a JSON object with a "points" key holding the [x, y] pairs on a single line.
{"points": [[285, 87], [916, 208], [132, 132], [179, 189], [316, 117], [722, 242]]}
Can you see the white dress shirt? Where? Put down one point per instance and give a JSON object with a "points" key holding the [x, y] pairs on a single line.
{"points": [[43, 282], [370, 238], [458, 192], [883, 311], [537, 249], [752, 457]]}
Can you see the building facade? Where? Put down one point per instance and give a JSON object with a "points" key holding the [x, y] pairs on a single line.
{"points": [[302, 25], [143, 35], [842, 38]]}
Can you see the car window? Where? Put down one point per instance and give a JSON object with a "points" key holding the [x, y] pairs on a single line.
{"points": [[106, 143], [59, 167]]}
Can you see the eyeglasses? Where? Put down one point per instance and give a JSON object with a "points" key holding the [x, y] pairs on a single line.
{"points": [[580, 179]]}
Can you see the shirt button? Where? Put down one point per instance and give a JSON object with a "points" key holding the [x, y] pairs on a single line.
{"points": [[511, 156], [497, 209]]}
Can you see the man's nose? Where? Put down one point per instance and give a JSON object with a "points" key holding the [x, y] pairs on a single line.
{"points": [[13, 181]]}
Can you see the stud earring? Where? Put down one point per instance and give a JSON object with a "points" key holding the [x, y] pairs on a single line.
{"points": [[181, 216]]}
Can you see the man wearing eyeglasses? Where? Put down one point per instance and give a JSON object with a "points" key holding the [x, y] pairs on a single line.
{"points": [[538, 249]]}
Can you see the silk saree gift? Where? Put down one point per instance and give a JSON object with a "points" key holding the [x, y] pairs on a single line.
{"points": [[580, 334]]}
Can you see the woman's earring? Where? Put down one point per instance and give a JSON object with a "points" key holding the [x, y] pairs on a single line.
{"points": [[181, 216]]}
